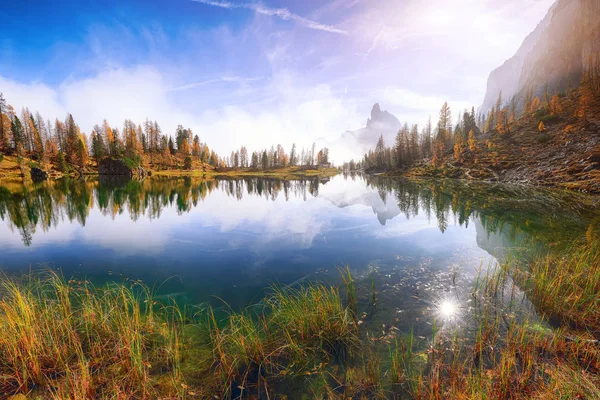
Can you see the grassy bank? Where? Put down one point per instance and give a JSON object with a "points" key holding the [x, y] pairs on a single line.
{"points": [[69, 340], [10, 170]]}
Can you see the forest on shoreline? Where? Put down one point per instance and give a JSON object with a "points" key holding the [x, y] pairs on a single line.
{"points": [[27, 140], [550, 138]]}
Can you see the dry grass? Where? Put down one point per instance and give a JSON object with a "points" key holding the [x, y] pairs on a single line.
{"points": [[70, 340], [567, 287], [508, 353], [296, 333]]}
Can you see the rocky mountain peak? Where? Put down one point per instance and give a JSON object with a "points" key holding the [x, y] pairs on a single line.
{"points": [[379, 117]]}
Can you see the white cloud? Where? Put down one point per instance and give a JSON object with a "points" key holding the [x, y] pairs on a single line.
{"points": [[35, 95], [286, 112]]}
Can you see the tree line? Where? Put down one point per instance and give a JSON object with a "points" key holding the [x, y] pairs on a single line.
{"points": [[447, 140], [277, 157], [63, 143], [412, 145]]}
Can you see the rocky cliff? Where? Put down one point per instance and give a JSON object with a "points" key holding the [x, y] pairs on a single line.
{"points": [[554, 54]]}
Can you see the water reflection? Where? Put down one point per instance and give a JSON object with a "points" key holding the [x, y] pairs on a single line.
{"points": [[28, 208], [231, 238], [510, 209]]}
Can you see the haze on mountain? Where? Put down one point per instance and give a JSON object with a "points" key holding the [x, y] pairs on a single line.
{"points": [[553, 57], [353, 144]]}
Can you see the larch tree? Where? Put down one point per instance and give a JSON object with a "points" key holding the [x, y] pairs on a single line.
{"points": [[414, 143], [82, 150], [293, 156], [459, 148], [527, 102], [400, 146], [59, 132], [244, 157], [72, 140], [38, 144], [471, 141], [445, 125], [499, 109], [171, 146], [109, 139], [264, 160], [380, 152], [51, 149], [7, 133], [535, 105], [196, 149], [17, 131], [555, 106], [586, 98], [3, 133]]}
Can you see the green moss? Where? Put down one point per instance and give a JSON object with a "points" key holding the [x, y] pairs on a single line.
{"points": [[543, 138]]}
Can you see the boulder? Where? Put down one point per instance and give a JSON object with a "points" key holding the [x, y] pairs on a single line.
{"points": [[38, 174], [111, 167]]}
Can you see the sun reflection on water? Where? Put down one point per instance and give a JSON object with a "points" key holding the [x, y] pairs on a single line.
{"points": [[448, 310]]}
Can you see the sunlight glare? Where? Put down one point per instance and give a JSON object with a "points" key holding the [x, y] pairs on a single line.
{"points": [[448, 309]]}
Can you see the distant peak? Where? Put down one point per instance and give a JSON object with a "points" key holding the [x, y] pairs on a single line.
{"points": [[381, 117], [375, 110]]}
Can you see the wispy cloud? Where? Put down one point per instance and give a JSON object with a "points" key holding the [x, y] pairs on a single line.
{"points": [[282, 13], [224, 79]]}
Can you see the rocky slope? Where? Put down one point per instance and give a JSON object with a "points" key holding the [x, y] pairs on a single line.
{"points": [[565, 154], [554, 54]]}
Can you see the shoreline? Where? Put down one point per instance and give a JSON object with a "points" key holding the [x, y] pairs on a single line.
{"points": [[582, 186]]}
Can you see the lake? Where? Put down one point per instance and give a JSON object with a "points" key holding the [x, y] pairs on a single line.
{"points": [[420, 245]]}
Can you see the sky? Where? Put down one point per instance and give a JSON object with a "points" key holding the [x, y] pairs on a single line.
{"points": [[255, 72]]}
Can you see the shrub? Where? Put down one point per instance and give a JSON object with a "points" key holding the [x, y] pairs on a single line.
{"points": [[548, 118], [33, 164], [1, 157], [540, 113], [187, 162], [543, 138], [132, 162], [62, 164]]}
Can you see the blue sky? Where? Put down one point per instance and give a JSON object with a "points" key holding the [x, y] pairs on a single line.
{"points": [[255, 72]]}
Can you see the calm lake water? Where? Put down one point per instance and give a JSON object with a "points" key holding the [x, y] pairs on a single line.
{"points": [[225, 241]]}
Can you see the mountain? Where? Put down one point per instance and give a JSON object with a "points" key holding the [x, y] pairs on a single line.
{"points": [[554, 54], [354, 144]]}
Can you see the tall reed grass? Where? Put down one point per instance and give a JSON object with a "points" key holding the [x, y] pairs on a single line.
{"points": [[566, 287], [75, 341]]}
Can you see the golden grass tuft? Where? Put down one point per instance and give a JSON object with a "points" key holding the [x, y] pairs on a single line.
{"points": [[76, 341]]}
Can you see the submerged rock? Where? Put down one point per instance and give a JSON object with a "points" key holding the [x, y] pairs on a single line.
{"points": [[111, 167]]}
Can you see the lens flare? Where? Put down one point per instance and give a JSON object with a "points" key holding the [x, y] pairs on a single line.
{"points": [[448, 309]]}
